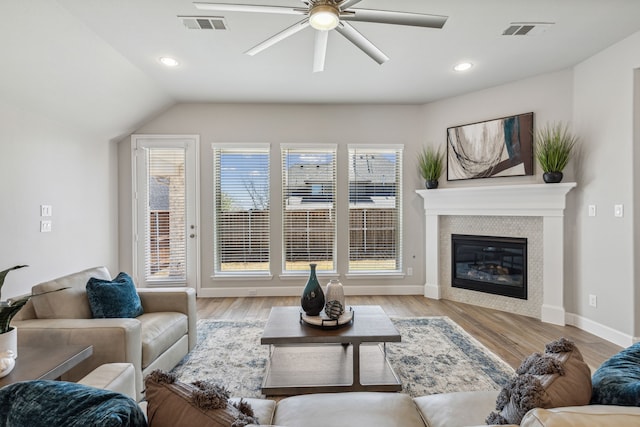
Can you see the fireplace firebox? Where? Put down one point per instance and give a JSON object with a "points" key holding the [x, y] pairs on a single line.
{"points": [[492, 264]]}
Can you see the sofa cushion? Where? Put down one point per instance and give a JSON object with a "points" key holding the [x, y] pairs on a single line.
{"points": [[617, 380], [580, 416], [559, 377], [46, 403], [115, 298], [468, 408], [172, 403], [159, 332], [348, 409], [70, 303]]}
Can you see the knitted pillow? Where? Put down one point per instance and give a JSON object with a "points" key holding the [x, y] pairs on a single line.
{"points": [[559, 377], [44, 403], [617, 380], [172, 403]]}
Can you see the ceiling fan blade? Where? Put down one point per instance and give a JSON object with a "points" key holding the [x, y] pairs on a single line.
{"points": [[397, 18], [361, 41], [298, 26], [320, 51], [348, 3], [231, 7]]}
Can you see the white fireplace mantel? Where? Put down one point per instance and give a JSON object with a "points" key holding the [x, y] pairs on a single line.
{"points": [[536, 200]]}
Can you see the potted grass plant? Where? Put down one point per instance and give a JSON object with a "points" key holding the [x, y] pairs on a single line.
{"points": [[430, 165], [554, 148], [8, 309]]}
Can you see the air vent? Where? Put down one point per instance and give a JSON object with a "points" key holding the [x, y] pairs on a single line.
{"points": [[527, 28], [204, 22]]}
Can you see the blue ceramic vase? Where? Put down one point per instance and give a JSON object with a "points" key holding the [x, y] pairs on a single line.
{"points": [[312, 300]]}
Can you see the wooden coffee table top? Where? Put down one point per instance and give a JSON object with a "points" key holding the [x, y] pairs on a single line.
{"points": [[370, 324], [45, 362]]}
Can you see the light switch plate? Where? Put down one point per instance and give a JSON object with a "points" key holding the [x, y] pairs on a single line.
{"points": [[45, 210], [45, 226], [618, 211], [592, 210]]}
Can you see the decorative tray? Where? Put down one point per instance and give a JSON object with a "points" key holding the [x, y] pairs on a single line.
{"points": [[323, 321]]}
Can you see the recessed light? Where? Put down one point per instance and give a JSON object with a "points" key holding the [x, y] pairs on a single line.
{"points": [[463, 66], [169, 62]]}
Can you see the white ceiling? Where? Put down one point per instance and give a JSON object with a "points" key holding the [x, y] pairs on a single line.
{"points": [[67, 54]]}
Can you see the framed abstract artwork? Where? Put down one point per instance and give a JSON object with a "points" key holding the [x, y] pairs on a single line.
{"points": [[493, 148]]}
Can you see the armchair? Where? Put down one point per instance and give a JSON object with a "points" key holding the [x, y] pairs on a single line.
{"points": [[157, 339]]}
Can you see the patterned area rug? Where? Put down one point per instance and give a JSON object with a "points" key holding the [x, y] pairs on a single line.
{"points": [[435, 356]]}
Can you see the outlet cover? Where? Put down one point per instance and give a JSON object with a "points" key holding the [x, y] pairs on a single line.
{"points": [[593, 300]]}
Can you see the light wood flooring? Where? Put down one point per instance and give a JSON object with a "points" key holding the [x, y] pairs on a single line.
{"points": [[512, 337]]}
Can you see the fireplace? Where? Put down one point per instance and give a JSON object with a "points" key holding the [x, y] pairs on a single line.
{"points": [[492, 264]]}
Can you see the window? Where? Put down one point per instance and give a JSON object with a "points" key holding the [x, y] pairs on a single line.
{"points": [[308, 207], [375, 208], [241, 208]]}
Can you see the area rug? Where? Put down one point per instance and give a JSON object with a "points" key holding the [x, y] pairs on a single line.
{"points": [[435, 356]]}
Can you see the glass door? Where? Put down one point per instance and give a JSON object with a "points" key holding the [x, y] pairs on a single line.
{"points": [[165, 204]]}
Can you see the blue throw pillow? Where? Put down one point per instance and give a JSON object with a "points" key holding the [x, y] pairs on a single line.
{"points": [[114, 299], [617, 380], [45, 403]]}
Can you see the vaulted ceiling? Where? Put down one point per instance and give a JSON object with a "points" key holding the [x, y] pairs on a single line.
{"points": [[95, 63]]}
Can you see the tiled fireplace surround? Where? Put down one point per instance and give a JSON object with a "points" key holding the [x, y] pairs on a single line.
{"points": [[534, 211]]}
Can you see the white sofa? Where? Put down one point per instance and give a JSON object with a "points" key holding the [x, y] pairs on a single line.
{"points": [[373, 409], [157, 339]]}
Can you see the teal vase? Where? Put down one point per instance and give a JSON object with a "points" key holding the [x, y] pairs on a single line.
{"points": [[312, 300]]}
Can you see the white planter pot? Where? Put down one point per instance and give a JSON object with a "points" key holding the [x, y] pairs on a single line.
{"points": [[9, 341]]}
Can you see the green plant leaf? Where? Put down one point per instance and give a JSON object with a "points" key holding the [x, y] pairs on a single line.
{"points": [[430, 163], [8, 310], [554, 146], [4, 273]]}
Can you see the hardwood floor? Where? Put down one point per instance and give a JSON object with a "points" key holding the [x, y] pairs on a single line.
{"points": [[510, 336]]}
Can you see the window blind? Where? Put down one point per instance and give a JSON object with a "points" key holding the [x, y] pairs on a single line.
{"points": [[375, 208], [308, 207], [241, 211], [165, 234]]}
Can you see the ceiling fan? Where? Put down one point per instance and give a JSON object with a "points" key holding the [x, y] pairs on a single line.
{"points": [[327, 15]]}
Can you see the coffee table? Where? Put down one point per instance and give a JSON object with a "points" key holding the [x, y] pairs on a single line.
{"points": [[307, 359], [45, 362]]}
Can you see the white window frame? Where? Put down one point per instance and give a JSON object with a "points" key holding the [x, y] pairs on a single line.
{"points": [[398, 150], [251, 148], [319, 148]]}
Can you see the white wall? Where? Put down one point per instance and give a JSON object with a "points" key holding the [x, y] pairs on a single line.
{"points": [[275, 124], [44, 162], [606, 250]]}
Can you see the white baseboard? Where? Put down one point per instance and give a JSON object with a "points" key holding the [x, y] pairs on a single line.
{"points": [[289, 291], [600, 330]]}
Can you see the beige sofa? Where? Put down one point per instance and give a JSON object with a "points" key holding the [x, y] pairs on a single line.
{"points": [[157, 339], [390, 409]]}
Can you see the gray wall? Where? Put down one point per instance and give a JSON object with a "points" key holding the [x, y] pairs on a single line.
{"points": [[606, 249], [44, 162], [275, 124], [598, 108], [549, 96]]}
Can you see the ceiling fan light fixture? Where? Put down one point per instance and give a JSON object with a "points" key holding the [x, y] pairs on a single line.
{"points": [[324, 17]]}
